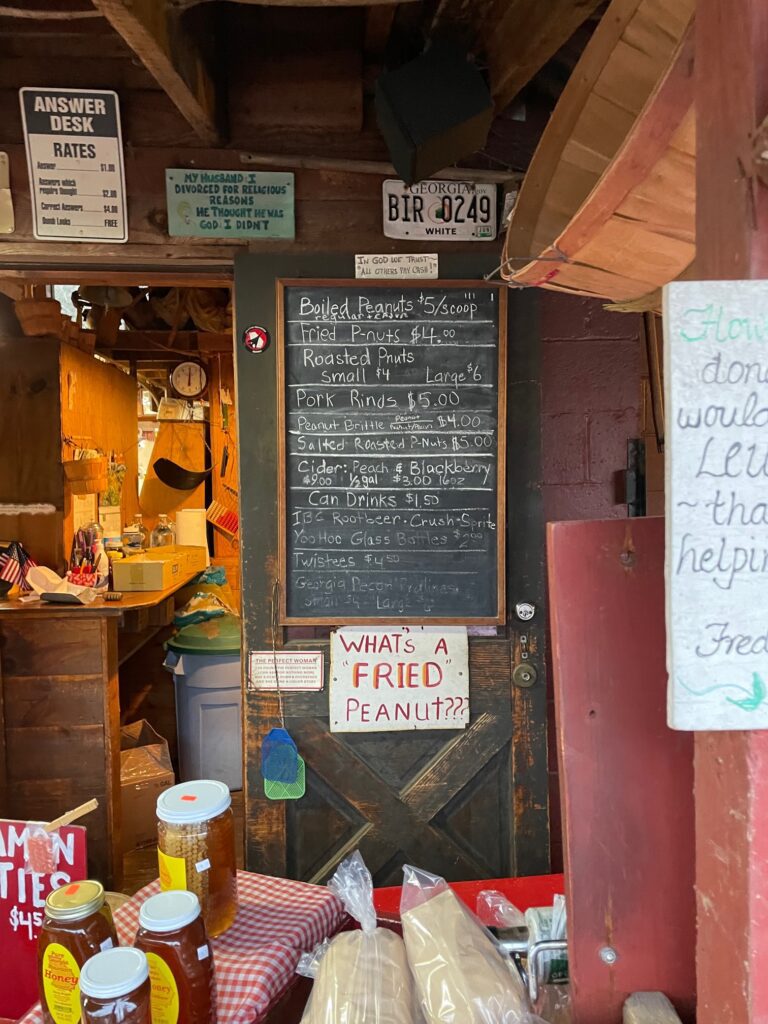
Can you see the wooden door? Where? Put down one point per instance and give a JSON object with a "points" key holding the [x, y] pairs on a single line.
{"points": [[469, 804]]}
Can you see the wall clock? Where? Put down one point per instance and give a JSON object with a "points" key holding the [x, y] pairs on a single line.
{"points": [[189, 379]]}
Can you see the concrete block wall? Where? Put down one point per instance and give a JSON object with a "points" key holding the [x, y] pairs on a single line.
{"points": [[591, 370]]}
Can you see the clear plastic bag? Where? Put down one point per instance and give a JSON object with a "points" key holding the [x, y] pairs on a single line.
{"points": [[496, 911], [361, 977], [460, 975]]}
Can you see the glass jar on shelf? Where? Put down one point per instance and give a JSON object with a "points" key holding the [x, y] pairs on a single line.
{"points": [[135, 536], [196, 848], [164, 534], [115, 988], [172, 935]]}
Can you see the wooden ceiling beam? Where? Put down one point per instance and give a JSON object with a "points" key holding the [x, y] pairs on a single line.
{"points": [[186, 4], [152, 30], [156, 344], [515, 37], [378, 25], [527, 35]]}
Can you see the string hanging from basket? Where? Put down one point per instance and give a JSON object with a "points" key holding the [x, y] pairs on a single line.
{"points": [[281, 766]]}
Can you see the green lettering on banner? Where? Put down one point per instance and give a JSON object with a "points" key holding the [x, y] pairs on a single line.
{"points": [[231, 197]]}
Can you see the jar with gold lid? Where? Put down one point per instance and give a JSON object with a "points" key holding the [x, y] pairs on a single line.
{"points": [[172, 934], [114, 988], [196, 848], [77, 924]]}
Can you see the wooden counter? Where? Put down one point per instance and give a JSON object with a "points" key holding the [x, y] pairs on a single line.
{"points": [[60, 710]]}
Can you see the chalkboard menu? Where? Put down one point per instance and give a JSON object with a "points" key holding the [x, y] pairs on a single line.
{"points": [[392, 450]]}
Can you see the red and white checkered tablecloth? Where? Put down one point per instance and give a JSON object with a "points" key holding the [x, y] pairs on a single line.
{"points": [[256, 958]]}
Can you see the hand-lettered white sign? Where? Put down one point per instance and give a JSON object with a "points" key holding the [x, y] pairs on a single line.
{"points": [[399, 678], [716, 384]]}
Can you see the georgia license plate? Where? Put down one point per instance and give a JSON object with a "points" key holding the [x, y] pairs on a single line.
{"points": [[446, 210]]}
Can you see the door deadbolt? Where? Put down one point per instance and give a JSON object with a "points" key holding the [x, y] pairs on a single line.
{"points": [[524, 675]]}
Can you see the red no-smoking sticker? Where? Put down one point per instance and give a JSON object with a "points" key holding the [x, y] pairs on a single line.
{"points": [[256, 339]]}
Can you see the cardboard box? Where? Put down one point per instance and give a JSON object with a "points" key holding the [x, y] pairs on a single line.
{"points": [[145, 771], [158, 568]]}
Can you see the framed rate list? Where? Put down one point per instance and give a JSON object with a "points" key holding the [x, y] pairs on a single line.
{"points": [[392, 447]]}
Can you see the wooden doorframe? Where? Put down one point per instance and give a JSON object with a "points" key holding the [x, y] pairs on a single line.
{"points": [[256, 374]]}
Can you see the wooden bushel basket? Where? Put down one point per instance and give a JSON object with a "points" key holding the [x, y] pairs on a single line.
{"points": [[38, 317], [608, 202], [86, 476]]}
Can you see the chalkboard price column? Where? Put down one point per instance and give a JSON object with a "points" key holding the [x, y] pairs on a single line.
{"points": [[392, 451]]}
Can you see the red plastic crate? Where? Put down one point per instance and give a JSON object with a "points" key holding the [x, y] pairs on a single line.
{"points": [[533, 891]]}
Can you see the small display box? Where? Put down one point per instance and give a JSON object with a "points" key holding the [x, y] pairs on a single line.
{"points": [[158, 568]]}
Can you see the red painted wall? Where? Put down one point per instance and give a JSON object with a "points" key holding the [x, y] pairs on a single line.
{"points": [[591, 366], [590, 378]]}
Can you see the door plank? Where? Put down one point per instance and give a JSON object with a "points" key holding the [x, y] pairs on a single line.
{"points": [[457, 764], [392, 822]]}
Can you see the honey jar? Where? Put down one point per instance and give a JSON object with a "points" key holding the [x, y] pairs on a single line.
{"points": [[196, 848], [114, 988], [77, 925], [172, 934]]}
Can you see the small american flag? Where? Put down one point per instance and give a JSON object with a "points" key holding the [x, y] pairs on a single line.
{"points": [[15, 563]]}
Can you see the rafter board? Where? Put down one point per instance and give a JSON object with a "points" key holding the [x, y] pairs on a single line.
{"points": [[186, 4], [151, 30], [524, 39], [516, 37]]}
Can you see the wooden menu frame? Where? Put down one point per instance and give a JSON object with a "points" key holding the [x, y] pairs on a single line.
{"points": [[501, 470]]}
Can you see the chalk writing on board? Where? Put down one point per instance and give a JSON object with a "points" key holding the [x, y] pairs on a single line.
{"points": [[391, 449], [716, 372]]}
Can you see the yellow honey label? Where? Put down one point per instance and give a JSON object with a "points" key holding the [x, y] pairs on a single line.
{"points": [[173, 871], [61, 984], [165, 994]]}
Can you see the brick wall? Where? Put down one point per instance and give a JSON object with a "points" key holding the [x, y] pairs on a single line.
{"points": [[591, 364], [591, 368]]}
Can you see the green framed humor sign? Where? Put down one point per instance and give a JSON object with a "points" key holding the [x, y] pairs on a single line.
{"points": [[230, 204]]}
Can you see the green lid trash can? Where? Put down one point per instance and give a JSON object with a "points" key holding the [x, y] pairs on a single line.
{"points": [[204, 658]]}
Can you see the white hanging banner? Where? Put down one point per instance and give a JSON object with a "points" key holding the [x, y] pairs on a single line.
{"points": [[716, 412], [392, 679]]}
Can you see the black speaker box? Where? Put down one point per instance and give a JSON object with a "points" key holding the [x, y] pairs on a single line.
{"points": [[433, 111]]}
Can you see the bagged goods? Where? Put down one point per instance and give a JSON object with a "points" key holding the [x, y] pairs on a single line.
{"points": [[460, 976], [361, 977]]}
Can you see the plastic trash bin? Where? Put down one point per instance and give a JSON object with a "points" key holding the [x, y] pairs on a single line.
{"points": [[205, 661]]}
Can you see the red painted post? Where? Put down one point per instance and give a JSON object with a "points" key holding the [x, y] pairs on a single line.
{"points": [[731, 768]]}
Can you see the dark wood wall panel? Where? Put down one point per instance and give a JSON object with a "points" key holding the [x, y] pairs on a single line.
{"points": [[60, 710]]}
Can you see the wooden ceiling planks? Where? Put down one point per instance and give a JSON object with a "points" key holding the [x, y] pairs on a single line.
{"points": [[515, 37], [309, 77], [153, 31], [525, 37]]}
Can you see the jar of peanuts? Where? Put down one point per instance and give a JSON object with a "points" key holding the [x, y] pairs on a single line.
{"points": [[196, 848]]}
